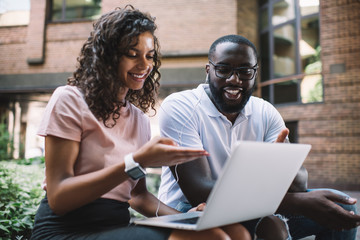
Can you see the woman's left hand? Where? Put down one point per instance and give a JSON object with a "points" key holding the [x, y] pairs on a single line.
{"points": [[161, 151]]}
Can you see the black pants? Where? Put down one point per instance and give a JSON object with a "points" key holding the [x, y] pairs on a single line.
{"points": [[101, 219]]}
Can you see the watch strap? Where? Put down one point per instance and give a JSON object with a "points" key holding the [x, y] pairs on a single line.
{"points": [[132, 168], [130, 162]]}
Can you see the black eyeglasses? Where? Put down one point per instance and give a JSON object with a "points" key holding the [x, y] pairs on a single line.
{"points": [[243, 73]]}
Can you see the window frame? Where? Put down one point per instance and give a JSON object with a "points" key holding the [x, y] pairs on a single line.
{"points": [[63, 14], [293, 126], [267, 6]]}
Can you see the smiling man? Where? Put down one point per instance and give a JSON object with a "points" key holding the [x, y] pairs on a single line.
{"points": [[234, 80], [222, 111]]}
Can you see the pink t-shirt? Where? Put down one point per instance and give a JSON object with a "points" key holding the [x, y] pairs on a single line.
{"points": [[67, 116]]}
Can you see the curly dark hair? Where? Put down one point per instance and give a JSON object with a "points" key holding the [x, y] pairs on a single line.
{"points": [[96, 74]]}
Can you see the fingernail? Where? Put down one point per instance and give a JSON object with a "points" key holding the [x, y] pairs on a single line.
{"points": [[352, 212]]}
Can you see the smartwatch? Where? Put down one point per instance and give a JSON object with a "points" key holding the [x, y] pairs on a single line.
{"points": [[132, 168]]}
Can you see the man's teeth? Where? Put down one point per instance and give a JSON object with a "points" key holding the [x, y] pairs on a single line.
{"points": [[233, 92]]}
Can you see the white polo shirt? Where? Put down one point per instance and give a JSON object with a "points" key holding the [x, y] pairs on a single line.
{"points": [[192, 120]]}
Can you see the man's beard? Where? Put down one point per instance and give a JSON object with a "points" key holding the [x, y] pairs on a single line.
{"points": [[220, 103]]}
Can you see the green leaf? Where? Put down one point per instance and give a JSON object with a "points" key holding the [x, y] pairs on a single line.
{"points": [[4, 229]]}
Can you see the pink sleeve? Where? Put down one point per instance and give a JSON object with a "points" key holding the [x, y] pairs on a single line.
{"points": [[62, 116]]}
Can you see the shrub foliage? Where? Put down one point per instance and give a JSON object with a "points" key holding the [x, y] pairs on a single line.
{"points": [[20, 195], [6, 141]]}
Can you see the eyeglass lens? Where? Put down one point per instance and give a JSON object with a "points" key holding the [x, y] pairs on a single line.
{"points": [[227, 72]]}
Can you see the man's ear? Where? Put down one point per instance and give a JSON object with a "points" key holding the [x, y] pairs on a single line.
{"points": [[207, 68]]}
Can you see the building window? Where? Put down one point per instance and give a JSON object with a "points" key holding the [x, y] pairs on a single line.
{"points": [[14, 12], [293, 128], [290, 51], [73, 10]]}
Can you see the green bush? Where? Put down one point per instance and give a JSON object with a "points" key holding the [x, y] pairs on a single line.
{"points": [[6, 141], [20, 195], [31, 161]]}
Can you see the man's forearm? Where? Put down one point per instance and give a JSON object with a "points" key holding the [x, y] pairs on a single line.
{"points": [[198, 193], [195, 180]]}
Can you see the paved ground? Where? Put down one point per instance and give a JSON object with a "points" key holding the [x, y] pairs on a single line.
{"points": [[354, 195]]}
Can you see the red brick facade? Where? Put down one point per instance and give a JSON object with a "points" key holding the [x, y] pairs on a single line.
{"points": [[186, 30]]}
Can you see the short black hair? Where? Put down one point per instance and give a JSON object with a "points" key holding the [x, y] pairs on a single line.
{"points": [[234, 39]]}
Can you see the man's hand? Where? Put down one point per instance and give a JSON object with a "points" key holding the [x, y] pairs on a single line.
{"points": [[320, 206], [301, 179], [282, 135], [200, 207]]}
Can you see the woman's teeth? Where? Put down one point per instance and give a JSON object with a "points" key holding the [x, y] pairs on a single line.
{"points": [[138, 75]]}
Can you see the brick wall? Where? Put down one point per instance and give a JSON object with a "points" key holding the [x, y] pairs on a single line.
{"points": [[247, 20], [184, 27], [333, 127], [187, 26], [12, 42]]}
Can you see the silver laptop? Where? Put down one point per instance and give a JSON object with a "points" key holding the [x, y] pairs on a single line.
{"points": [[253, 182]]}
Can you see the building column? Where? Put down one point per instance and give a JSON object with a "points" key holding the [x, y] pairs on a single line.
{"points": [[36, 32]]}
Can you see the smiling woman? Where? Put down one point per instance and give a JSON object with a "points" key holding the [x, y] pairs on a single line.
{"points": [[137, 64], [123, 65]]}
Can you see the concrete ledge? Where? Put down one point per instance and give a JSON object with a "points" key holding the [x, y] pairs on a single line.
{"points": [[39, 82]]}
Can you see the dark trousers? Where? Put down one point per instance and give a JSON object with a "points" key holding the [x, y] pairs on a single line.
{"points": [[101, 219]]}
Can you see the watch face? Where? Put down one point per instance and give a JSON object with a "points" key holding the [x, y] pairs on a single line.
{"points": [[135, 173]]}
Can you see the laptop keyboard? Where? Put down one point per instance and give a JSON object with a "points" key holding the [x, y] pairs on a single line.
{"points": [[187, 220]]}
